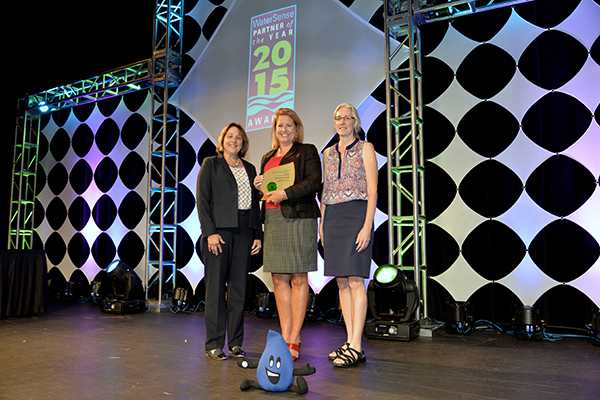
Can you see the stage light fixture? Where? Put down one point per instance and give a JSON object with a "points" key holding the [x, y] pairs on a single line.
{"points": [[180, 299], [313, 312], [338, 317], [96, 291], [264, 305], [69, 289], [75, 290], [43, 107], [458, 321], [393, 300], [595, 328], [527, 324], [127, 290]]}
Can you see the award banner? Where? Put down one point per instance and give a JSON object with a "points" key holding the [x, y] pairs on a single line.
{"points": [[278, 178], [271, 77]]}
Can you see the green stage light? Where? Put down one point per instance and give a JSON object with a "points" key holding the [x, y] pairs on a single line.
{"points": [[386, 274], [393, 300]]}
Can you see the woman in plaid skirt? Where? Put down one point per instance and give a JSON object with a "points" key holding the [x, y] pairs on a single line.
{"points": [[290, 221]]}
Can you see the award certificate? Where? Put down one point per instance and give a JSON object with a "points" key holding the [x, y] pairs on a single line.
{"points": [[278, 178]]}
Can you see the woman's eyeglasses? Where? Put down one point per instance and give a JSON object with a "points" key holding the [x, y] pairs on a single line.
{"points": [[345, 118]]}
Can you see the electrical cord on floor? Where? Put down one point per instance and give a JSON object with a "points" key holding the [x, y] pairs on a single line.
{"points": [[487, 326], [551, 337], [338, 318], [187, 309], [433, 326]]}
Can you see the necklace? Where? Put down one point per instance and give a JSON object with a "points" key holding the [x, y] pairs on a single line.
{"points": [[281, 152], [231, 165]]}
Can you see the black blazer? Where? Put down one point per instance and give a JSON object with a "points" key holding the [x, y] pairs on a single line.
{"points": [[301, 195], [217, 197]]}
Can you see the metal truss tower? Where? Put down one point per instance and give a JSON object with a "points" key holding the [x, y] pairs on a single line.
{"points": [[22, 200], [161, 266], [404, 109], [405, 167]]}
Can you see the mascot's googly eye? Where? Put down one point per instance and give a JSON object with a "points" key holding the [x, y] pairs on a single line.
{"points": [[278, 363], [271, 362]]}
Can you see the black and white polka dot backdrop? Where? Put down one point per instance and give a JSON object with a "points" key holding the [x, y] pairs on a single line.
{"points": [[512, 137], [92, 185]]}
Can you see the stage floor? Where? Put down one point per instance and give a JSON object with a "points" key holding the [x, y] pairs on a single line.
{"points": [[75, 352]]}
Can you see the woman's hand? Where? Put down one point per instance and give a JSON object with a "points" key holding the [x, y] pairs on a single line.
{"points": [[258, 181], [214, 244], [256, 246], [276, 196], [363, 239]]}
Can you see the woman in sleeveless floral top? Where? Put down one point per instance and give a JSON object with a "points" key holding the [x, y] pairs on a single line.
{"points": [[346, 229]]}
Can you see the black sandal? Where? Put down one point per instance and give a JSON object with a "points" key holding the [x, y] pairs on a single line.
{"points": [[351, 358], [339, 351]]}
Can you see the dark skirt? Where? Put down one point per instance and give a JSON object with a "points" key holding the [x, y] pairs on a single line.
{"points": [[290, 244], [342, 223]]}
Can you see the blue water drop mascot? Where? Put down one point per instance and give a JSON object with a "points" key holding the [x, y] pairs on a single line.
{"points": [[275, 370]]}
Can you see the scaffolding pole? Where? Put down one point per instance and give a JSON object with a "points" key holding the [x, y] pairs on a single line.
{"points": [[161, 265]]}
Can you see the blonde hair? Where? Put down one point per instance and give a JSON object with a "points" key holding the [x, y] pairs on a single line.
{"points": [[245, 140], [299, 127], [357, 125]]}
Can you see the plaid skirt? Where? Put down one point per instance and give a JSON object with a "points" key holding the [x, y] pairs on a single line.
{"points": [[290, 244]]}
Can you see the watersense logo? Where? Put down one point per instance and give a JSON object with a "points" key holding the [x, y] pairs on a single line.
{"points": [[271, 71]]}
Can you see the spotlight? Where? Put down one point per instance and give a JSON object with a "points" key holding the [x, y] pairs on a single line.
{"points": [[101, 287], [595, 333], [180, 299], [393, 300], [313, 312], [339, 317], [264, 305], [43, 107], [126, 283], [96, 291], [127, 290], [69, 289], [75, 290], [392, 296], [527, 324], [458, 320]]}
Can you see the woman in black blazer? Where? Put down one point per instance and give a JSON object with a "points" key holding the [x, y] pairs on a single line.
{"points": [[228, 207], [290, 218]]}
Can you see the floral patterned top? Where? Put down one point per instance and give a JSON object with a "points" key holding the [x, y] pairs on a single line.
{"points": [[345, 176], [244, 189]]}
